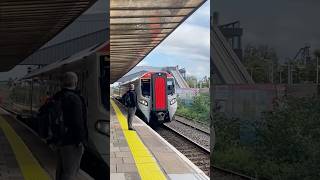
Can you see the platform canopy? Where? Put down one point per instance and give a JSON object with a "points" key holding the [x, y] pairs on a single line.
{"points": [[137, 27], [26, 25]]}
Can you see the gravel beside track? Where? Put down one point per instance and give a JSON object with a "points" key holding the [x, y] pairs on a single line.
{"points": [[193, 133]]}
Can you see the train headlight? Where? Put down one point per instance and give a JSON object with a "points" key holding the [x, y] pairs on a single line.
{"points": [[103, 127], [174, 100], [143, 102]]}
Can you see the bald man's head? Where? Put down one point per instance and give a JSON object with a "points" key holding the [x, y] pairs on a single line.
{"points": [[69, 80], [131, 86]]}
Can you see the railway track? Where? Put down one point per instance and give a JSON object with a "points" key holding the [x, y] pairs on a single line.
{"points": [[225, 174], [195, 151], [199, 126], [191, 132], [200, 157]]}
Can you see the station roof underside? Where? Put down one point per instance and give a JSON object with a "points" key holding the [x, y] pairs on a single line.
{"points": [[76, 57], [137, 27], [86, 31], [27, 25]]}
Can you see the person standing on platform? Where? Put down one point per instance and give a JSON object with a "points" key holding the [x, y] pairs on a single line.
{"points": [[69, 128], [131, 104]]}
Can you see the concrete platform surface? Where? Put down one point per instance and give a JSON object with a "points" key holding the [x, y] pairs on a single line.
{"points": [[132, 150], [23, 154]]}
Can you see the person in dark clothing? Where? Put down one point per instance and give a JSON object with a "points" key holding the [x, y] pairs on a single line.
{"points": [[70, 146], [132, 105]]}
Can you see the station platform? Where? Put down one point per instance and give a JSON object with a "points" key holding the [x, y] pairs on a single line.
{"points": [[143, 154], [24, 156]]}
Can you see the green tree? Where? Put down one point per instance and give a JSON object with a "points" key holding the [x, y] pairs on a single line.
{"points": [[192, 81], [204, 82], [261, 62], [288, 140]]}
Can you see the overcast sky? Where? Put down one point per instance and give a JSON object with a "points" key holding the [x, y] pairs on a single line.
{"points": [[188, 46], [285, 25]]}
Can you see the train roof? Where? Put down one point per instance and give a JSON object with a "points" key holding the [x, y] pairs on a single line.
{"points": [[137, 75], [76, 57], [131, 77]]}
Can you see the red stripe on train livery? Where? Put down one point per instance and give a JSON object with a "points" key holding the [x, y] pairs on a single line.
{"points": [[160, 93]]}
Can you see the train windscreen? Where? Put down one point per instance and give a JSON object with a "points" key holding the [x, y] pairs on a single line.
{"points": [[170, 86], [145, 87]]}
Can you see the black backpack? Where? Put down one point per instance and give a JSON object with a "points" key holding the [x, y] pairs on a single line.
{"points": [[51, 121], [52, 116], [56, 122], [127, 99]]}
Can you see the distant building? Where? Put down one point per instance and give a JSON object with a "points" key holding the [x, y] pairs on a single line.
{"points": [[233, 33], [183, 72]]}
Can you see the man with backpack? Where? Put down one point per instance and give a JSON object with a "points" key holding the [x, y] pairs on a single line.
{"points": [[68, 127], [131, 103]]}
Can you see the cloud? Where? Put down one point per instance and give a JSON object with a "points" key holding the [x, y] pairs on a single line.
{"points": [[198, 71], [188, 46], [201, 16], [188, 40]]}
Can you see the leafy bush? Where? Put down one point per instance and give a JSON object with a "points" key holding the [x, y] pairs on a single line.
{"points": [[239, 159], [290, 137], [198, 111], [286, 145]]}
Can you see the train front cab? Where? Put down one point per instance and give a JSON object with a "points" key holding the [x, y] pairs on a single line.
{"points": [[157, 99]]}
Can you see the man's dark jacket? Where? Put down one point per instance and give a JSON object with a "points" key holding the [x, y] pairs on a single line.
{"points": [[74, 116], [133, 98]]}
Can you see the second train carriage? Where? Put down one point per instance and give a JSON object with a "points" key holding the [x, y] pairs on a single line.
{"points": [[156, 96], [92, 68]]}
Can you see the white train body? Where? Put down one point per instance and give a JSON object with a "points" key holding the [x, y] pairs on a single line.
{"points": [[157, 100]]}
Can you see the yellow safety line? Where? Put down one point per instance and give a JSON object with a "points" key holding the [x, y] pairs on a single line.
{"points": [[29, 166], [147, 166]]}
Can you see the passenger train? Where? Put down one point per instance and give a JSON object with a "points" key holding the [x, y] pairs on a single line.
{"points": [[27, 95], [156, 96]]}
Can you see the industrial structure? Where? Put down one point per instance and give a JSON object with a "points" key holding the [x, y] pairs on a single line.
{"points": [[225, 63]]}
